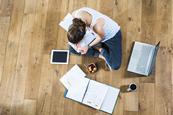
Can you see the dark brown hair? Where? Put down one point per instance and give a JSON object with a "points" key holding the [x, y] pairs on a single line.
{"points": [[76, 31]]}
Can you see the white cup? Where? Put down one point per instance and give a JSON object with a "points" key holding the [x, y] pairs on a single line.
{"points": [[132, 87]]}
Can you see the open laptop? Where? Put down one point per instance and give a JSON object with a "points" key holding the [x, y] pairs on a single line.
{"points": [[143, 58]]}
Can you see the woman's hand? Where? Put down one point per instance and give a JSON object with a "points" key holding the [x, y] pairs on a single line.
{"points": [[83, 50]]}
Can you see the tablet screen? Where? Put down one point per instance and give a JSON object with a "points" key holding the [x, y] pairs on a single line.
{"points": [[59, 56]]}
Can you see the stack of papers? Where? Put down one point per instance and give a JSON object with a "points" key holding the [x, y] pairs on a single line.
{"points": [[89, 92]]}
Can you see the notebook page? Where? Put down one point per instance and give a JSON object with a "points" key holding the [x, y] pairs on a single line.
{"points": [[88, 38], [77, 92], [66, 22], [95, 94], [110, 100], [71, 78]]}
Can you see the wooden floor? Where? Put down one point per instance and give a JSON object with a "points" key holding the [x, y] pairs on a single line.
{"points": [[29, 84]]}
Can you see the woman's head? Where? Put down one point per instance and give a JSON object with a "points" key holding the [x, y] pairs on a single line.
{"points": [[76, 31]]}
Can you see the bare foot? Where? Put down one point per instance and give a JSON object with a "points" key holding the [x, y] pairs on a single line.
{"points": [[100, 49], [100, 56], [107, 67]]}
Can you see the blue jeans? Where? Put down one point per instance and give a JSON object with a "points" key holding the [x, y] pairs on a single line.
{"points": [[111, 51]]}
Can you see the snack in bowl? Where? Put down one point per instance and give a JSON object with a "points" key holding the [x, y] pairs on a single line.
{"points": [[92, 68]]}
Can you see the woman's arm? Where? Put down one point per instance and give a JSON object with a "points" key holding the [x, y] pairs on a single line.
{"points": [[98, 28], [96, 41], [100, 34]]}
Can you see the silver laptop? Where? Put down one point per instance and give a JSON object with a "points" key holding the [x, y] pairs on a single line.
{"points": [[143, 58]]}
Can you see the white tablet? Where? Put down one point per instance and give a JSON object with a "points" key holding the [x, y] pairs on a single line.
{"points": [[59, 57]]}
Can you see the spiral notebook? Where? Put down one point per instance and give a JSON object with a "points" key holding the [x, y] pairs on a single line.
{"points": [[89, 92]]}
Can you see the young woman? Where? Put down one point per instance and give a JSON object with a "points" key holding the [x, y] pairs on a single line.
{"points": [[107, 34]]}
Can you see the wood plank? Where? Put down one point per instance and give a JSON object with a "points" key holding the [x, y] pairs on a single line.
{"points": [[35, 59], [131, 99], [8, 75], [57, 102], [149, 18], [71, 5], [131, 113], [4, 29], [6, 7], [92, 4], [62, 41], [146, 99], [29, 107], [163, 66], [133, 33], [163, 82], [81, 3], [45, 89], [172, 58], [74, 59], [52, 27], [22, 61], [106, 7], [30, 6], [76, 4], [22, 64], [1, 110], [172, 69], [117, 81], [172, 101]]}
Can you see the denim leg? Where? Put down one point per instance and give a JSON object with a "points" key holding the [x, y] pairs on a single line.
{"points": [[114, 54], [91, 52], [72, 51]]}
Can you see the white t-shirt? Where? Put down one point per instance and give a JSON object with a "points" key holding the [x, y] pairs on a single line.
{"points": [[110, 26]]}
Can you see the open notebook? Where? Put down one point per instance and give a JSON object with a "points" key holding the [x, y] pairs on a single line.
{"points": [[143, 58], [89, 92], [88, 38]]}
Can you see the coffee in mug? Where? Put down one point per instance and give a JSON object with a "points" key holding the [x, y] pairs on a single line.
{"points": [[132, 87]]}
